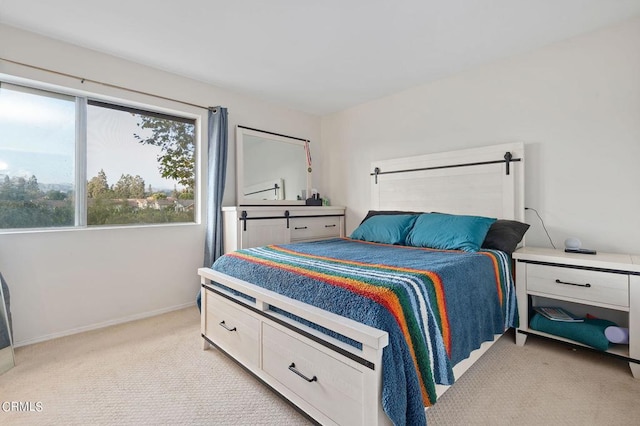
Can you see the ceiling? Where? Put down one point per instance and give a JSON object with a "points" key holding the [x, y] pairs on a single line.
{"points": [[315, 56]]}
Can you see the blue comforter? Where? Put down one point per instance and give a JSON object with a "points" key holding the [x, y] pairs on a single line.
{"points": [[437, 306]]}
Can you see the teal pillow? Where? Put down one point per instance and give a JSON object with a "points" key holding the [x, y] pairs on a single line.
{"points": [[449, 231], [388, 229], [589, 332]]}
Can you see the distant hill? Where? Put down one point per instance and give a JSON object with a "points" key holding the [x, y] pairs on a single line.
{"points": [[62, 187]]}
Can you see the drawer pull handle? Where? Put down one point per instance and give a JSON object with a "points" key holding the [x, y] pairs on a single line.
{"points": [[568, 283], [330, 226], [300, 227], [292, 367], [226, 327]]}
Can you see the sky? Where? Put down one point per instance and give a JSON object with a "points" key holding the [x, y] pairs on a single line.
{"points": [[37, 137], [111, 146]]}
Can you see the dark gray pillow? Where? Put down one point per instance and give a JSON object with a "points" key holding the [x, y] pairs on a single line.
{"points": [[379, 212], [505, 235]]}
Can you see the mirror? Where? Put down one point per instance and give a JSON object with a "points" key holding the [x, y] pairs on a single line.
{"points": [[271, 168], [6, 348]]}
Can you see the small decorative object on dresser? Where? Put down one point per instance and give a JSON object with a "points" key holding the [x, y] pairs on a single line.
{"points": [[605, 288]]}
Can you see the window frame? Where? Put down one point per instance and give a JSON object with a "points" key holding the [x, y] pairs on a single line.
{"points": [[82, 100]]}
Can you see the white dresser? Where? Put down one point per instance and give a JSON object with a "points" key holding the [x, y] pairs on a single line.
{"points": [[255, 226], [606, 285]]}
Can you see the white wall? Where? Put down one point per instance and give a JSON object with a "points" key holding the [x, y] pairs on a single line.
{"points": [[575, 104], [67, 281]]}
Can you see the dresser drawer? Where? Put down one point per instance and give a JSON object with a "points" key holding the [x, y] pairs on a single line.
{"points": [[312, 228], [234, 330], [603, 287], [335, 389]]}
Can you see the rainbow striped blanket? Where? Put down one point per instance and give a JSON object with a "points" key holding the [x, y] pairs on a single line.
{"points": [[437, 306]]}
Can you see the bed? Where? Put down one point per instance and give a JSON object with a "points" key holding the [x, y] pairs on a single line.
{"points": [[371, 329]]}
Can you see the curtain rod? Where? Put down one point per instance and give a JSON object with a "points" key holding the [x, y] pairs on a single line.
{"points": [[113, 86]]}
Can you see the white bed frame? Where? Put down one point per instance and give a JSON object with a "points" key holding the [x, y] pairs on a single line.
{"points": [[335, 383]]}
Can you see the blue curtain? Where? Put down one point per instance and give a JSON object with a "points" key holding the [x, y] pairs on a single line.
{"points": [[217, 169]]}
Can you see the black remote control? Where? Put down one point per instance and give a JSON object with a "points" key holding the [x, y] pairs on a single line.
{"points": [[580, 250]]}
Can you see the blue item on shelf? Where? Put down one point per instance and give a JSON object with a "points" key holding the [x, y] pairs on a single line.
{"points": [[589, 332]]}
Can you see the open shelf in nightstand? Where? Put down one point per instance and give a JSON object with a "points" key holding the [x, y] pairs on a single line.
{"points": [[618, 351]]}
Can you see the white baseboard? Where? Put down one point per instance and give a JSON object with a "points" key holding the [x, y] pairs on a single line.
{"points": [[102, 324]]}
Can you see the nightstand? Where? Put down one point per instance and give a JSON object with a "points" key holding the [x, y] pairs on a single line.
{"points": [[606, 285]]}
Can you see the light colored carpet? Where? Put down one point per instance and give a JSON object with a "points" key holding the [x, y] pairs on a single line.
{"points": [[147, 372], [543, 383], [154, 372]]}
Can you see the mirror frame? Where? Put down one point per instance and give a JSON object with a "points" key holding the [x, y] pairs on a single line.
{"points": [[241, 132]]}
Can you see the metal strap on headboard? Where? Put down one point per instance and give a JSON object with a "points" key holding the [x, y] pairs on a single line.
{"points": [[508, 159]]}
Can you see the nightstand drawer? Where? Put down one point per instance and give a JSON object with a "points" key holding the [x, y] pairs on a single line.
{"points": [[312, 228], [589, 286]]}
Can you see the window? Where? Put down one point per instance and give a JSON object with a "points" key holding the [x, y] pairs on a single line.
{"points": [[37, 151], [140, 166], [131, 166]]}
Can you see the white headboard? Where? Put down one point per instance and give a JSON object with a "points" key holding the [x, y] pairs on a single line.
{"points": [[487, 181]]}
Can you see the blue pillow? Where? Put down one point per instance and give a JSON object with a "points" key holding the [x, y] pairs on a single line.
{"points": [[388, 229], [449, 232]]}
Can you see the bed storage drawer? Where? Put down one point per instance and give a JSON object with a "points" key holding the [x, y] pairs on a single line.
{"points": [[235, 331], [312, 228], [590, 286], [331, 386]]}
